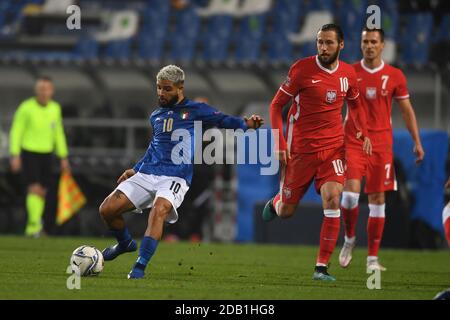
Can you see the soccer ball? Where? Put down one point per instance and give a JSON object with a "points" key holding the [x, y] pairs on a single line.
{"points": [[86, 261]]}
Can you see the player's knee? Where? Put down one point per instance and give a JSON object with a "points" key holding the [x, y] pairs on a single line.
{"points": [[331, 200], [377, 198], [161, 210], [106, 209], [286, 211], [349, 200]]}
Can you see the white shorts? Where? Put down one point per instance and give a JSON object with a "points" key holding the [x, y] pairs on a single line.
{"points": [[143, 189]]}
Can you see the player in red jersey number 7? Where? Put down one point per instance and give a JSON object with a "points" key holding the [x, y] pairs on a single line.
{"points": [[379, 83], [314, 149]]}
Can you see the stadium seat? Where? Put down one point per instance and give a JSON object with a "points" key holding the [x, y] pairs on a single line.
{"points": [[149, 48], [253, 7], [416, 38], [216, 38], [219, 7], [86, 48], [313, 22], [119, 49], [351, 52], [389, 22], [248, 42], [279, 49], [442, 33], [183, 43]]}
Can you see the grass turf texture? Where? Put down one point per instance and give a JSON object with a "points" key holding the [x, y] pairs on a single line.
{"points": [[35, 269]]}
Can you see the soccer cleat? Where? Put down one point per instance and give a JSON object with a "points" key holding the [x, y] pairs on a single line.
{"points": [[136, 274], [269, 212], [345, 256], [321, 273], [373, 264], [114, 251]]}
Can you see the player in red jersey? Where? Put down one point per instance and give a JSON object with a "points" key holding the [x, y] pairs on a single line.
{"points": [[379, 83], [446, 216], [314, 149]]}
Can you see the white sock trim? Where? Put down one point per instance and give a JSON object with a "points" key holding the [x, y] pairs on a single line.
{"points": [[277, 207], [350, 240], [377, 211], [446, 213], [349, 200], [332, 213], [372, 258]]}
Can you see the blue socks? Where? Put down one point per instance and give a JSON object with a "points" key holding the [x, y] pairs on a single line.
{"points": [[146, 251], [123, 237]]}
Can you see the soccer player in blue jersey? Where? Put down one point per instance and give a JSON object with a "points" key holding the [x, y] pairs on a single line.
{"points": [[156, 181]]}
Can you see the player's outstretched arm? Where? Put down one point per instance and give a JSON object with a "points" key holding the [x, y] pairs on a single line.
{"points": [[409, 117], [127, 174]]}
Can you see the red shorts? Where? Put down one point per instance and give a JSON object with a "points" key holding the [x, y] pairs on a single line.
{"points": [[323, 166], [377, 168]]}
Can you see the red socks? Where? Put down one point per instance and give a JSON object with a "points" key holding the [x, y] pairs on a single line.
{"points": [[350, 217], [328, 235]]}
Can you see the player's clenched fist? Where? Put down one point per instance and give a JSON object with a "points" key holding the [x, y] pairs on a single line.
{"points": [[127, 174], [254, 122]]}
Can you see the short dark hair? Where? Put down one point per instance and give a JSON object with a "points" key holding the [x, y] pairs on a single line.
{"points": [[335, 28], [44, 77], [380, 31]]}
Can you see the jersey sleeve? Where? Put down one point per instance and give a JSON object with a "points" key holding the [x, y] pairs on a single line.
{"points": [[60, 137], [401, 90], [212, 117], [353, 90], [17, 129], [291, 86]]}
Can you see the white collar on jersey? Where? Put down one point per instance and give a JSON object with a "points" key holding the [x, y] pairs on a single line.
{"points": [[381, 66], [325, 69]]}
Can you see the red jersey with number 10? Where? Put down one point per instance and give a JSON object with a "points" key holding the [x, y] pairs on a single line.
{"points": [[315, 117], [378, 87]]}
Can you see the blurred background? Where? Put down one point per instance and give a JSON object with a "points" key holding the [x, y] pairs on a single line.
{"points": [[235, 53]]}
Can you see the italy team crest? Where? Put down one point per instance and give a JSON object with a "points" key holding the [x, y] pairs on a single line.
{"points": [[184, 114], [331, 96]]}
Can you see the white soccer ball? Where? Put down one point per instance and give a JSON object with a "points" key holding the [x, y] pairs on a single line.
{"points": [[86, 261]]}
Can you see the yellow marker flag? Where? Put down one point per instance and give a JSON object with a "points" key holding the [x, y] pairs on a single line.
{"points": [[70, 198]]}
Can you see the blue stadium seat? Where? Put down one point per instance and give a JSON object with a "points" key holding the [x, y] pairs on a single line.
{"points": [[415, 38], [249, 38], [309, 49], [351, 52], [351, 23], [183, 44], [86, 48], [442, 33], [389, 23], [216, 37], [279, 49], [215, 50], [317, 5], [149, 47], [119, 49]]}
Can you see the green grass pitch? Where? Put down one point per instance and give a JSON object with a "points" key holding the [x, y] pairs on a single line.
{"points": [[35, 269]]}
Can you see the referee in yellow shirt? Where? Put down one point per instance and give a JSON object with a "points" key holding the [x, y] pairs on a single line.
{"points": [[36, 133]]}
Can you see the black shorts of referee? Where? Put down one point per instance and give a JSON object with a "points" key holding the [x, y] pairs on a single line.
{"points": [[37, 168]]}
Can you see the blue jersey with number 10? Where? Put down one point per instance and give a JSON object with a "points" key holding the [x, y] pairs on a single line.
{"points": [[164, 121]]}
